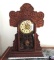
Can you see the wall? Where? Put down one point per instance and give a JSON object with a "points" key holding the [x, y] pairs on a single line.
{"points": [[46, 33], [0, 34], [0, 47]]}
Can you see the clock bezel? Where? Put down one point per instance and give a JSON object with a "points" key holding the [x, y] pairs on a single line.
{"points": [[31, 31]]}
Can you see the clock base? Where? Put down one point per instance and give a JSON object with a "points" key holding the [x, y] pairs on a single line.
{"points": [[10, 53], [37, 53], [26, 54]]}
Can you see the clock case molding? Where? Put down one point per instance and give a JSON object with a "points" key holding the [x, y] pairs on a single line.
{"points": [[26, 13]]}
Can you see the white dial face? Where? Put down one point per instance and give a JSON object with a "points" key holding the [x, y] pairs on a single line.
{"points": [[26, 26]]}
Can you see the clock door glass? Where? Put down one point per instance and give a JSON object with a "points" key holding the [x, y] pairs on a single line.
{"points": [[26, 26]]}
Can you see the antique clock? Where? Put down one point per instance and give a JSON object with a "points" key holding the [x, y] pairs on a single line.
{"points": [[26, 42]]}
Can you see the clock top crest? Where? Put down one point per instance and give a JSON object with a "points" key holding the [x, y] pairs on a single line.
{"points": [[26, 13], [26, 42]]}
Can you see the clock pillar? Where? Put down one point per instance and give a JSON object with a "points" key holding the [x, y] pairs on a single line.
{"points": [[18, 37], [35, 36]]}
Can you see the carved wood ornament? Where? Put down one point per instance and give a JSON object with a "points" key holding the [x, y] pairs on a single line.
{"points": [[26, 12], [26, 44]]}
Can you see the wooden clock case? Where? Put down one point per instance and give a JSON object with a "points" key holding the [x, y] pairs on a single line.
{"points": [[26, 13]]}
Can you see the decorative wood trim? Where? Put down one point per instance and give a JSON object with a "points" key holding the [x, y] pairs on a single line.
{"points": [[26, 12]]}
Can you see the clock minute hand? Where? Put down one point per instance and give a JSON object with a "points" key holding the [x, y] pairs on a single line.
{"points": [[27, 26]]}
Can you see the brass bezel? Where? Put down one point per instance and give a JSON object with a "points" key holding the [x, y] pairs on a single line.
{"points": [[26, 33]]}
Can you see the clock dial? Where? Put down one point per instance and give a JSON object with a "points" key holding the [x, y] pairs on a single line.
{"points": [[26, 26]]}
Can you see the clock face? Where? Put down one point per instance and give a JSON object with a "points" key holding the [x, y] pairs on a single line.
{"points": [[26, 26]]}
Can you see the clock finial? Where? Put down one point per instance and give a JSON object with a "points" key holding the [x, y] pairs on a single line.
{"points": [[26, 7]]}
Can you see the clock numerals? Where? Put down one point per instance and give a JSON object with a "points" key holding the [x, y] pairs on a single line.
{"points": [[26, 26]]}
